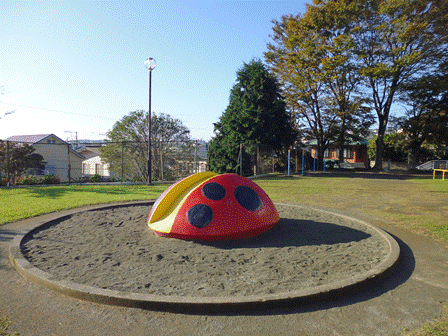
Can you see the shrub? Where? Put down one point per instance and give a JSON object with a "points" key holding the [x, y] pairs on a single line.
{"points": [[28, 180], [96, 178], [50, 179]]}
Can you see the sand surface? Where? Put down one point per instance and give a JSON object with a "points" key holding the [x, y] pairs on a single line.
{"points": [[114, 249]]}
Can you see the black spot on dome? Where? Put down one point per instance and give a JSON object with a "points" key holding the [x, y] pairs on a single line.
{"points": [[200, 215], [214, 191], [247, 198]]}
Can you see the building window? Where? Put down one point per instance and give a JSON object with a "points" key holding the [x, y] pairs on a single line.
{"points": [[51, 169], [347, 153], [97, 168]]}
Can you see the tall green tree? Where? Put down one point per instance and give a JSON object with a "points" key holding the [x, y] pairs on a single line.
{"points": [[256, 115], [320, 83], [394, 41], [384, 44], [127, 150], [426, 119], [395, 147]]}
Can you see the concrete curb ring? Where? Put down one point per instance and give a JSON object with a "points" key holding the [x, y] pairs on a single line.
{"points": [[190, 304]]}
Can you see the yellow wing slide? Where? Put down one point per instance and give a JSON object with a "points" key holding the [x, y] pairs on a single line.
{"points": [[162, 217]]}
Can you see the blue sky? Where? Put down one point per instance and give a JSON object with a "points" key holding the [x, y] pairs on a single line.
{"points": [[78, 66]]}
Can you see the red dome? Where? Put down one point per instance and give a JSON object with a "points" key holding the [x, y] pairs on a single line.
{"points": [[215, 207]]}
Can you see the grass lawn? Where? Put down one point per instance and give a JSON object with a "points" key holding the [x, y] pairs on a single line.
{"points": [[420, 205], [20, 203]]}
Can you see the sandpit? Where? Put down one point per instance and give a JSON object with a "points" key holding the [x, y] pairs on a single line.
{"points": [[111, 249]]}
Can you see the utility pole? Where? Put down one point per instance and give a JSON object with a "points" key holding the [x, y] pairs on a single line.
{"points": [[7, 162], [76, 137]]}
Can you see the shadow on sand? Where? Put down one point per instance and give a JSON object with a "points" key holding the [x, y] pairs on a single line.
{"points": [[295, 233]]}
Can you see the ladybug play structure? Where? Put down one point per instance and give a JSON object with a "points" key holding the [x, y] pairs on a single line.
{"points": [[208, 206]]}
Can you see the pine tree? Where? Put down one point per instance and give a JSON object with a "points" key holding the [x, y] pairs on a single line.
{"points": [[256, 115]]}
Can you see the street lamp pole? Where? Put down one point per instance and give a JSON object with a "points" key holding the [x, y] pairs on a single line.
{"points": [[150, 64]]}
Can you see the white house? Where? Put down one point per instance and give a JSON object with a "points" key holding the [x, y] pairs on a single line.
{"points": [[93, 165]]}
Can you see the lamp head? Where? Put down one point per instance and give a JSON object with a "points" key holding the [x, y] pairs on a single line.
{"points": [[150, 63]]}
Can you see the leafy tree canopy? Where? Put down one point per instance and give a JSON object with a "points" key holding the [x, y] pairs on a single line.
{"points": [[426, 119], [17, 158], [129, 138], [320, 83], [256, 115], [381, 43]]}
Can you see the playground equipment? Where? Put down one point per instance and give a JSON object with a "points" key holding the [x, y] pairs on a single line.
{"points": [[442, 168], [208, 206]]}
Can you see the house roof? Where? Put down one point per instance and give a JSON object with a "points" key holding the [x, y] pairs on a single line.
{"points": [[31, 139], [361, 142], [36, 138], [93, 149]]}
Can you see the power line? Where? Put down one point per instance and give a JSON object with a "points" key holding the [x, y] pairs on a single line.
{"points": [[8, 112], [58, 111]]}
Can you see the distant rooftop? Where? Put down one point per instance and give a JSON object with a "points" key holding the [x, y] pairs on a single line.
{"points": [[29, 138], [351, 142]]}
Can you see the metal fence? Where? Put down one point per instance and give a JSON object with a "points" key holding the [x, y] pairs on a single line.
{"points": [[127, 161], [262, 159], [105, 161]]}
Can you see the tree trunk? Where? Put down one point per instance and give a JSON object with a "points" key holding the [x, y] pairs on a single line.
{"points": [[380, 143], [383, 117], [379, 152], [341, 154], [320, 156], [414, 155], [341, 141]]}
